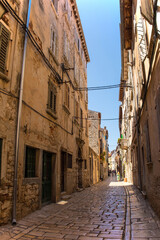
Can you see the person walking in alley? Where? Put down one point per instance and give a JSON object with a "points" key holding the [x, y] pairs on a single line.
{"points": [[118, 176]]}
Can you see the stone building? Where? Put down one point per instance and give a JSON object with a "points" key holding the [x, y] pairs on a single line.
{"points": [[94, 119], [140, 95], [44, 145], [103, 153]]}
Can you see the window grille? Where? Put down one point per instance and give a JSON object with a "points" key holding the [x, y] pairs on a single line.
{"points": [[30, 162]]}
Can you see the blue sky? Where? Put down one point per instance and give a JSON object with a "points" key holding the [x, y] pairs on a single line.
{"points": [[100, 21]]}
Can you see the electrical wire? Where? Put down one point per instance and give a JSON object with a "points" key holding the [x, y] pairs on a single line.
{"points": [[105, 119], [102, 87]]}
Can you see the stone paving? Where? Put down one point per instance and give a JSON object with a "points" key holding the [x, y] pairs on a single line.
{"points": [[107, 210]]}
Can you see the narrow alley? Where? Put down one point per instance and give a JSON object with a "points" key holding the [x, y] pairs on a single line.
{"points": [[107, 210]]}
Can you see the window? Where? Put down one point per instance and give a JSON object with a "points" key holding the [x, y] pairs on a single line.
{"points": [[85, 164], [30, 162], [66, 47], [4, 45], [52, 97], [67, 96], [53, 41], [55, 3], [81, 118], [0, 155], [148, 149], [76, 110], [69, 161]]}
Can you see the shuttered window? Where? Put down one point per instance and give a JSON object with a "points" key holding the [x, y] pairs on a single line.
{"points": [[0, 156], [67, 96], [52, 97], [4, 44], [54, 42]]}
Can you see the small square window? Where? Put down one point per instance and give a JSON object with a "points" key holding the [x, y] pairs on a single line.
{"points": [[30, 162], [69, 161]]}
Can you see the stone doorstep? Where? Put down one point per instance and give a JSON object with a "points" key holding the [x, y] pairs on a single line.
{"points": [[65, 197]]}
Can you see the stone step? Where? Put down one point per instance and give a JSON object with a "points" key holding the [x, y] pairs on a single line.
{"points": [[65, 197]]}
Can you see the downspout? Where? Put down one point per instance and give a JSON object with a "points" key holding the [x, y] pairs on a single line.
{"points": [[19, 120]]}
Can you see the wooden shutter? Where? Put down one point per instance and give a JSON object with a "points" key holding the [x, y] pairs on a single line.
{"points": [[147, 10], [4, 44]]}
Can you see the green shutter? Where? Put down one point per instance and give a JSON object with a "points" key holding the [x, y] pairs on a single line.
{"points": [[4, 44]]}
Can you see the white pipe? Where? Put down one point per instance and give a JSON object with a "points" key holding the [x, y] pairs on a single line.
{"points": [[19, 120]]}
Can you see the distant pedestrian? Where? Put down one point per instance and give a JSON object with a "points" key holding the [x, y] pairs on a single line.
{"points": [[118, 176]]}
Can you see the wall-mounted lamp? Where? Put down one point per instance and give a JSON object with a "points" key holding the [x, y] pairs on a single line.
{"points": [[3, 9]]}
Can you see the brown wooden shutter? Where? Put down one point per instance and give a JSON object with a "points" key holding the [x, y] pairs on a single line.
{"points": [[147, 10], [4, 44]]}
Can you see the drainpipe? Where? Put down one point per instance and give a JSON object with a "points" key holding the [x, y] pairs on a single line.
{"points": [[19, 120]]}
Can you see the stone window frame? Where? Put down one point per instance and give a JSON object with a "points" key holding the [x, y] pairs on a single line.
{"points": [[35, 173], [6, 38], [52, 99]]}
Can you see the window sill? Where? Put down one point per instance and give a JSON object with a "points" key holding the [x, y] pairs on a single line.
{"points": [[66, 109], [52, 114], [4, 77], [31, 180], [54, 10], [53, 56]]}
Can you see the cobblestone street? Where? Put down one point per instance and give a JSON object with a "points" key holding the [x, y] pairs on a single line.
{"points": [[107, 210]]}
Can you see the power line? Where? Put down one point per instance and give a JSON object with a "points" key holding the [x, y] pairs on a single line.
{"points": [[105, 119], [103, 87]]}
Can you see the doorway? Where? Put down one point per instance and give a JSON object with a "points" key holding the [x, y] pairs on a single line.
{"points": [[63, 170], [46, 177]]}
